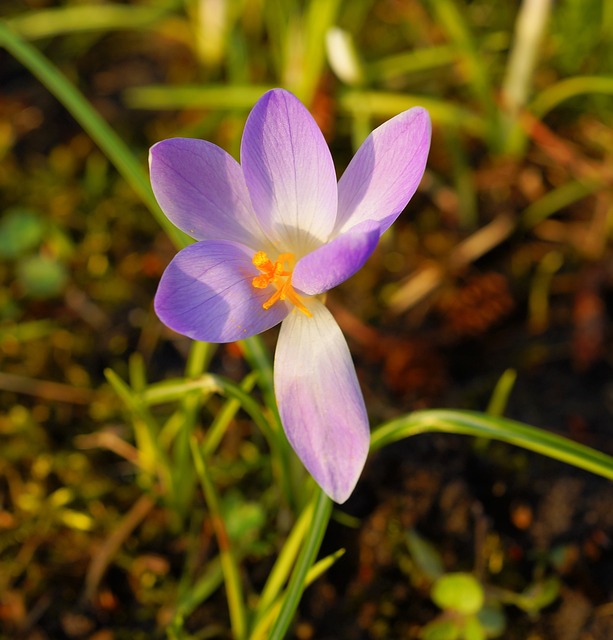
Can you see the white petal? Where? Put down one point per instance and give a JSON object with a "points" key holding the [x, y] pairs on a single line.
{"points": [[320, 402]]}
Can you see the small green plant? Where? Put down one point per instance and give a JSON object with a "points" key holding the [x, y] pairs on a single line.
{"points": [[471, 608], [465, 612]]}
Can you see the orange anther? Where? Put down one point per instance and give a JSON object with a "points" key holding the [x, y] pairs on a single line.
{"points": [[274, 273]]}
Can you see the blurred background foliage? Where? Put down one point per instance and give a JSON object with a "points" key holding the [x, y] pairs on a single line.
{"points": [[503, 261]]}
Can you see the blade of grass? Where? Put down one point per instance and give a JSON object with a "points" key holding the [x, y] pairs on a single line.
{"points": [[558, 198], [48, 23], [381, 104], [152, 460], [229, 562], [241, 97], [320, 16], [530, 27], [206, 585], [258, 358], [169, 391], [502, 391], [554, 95], [283, 565], [297, 584], [516, 433], [410, 62], [172, 390], [199, 357], [318, 569], [453, 21], [99, 130], [111, 545], [225, 415]]}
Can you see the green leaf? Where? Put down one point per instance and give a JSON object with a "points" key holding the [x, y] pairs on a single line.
{"points": [[131, 168], [440, 630], [306, 559], [20, 230], [473, 629], [502, 391], [243, 519], [568, 88], [425, 555], [472, 423], [41, 276], [493, 620], [460, 592], [48, 23], [539, 595]]}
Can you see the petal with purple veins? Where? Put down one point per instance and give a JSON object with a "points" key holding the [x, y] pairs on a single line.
{"points": [[206, 294], [333, 263], [385, 172], [289, 172], [202, 190], [320, 402]]}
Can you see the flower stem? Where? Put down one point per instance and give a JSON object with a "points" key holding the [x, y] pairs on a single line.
{"points": [[306, 559]]}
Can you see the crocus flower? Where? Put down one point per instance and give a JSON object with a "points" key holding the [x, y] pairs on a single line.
{"points": [[273, 234]]}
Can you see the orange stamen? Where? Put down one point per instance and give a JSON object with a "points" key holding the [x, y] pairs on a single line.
{"points": [[274, 273]]}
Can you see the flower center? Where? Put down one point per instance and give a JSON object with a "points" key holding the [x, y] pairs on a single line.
{"points": [[275, 273]]}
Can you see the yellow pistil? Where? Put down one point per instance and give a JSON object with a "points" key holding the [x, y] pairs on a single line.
{"points": [[275, 273]]}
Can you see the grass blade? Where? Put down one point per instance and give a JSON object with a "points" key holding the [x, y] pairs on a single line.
{"points": [[99, 130], [229, 562], [472, 423], [297, 584]]}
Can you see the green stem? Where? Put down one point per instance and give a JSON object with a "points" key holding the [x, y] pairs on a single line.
{"points": [[312, 542]]}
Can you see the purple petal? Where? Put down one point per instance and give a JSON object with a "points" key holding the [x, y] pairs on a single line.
{"points": [[320, 402], [385, 172], [333, 263], [202, 190], [289, 172], [206, 294]]}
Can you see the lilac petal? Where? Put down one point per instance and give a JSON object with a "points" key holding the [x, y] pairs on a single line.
{"points": [[385, 172], [202, 190], [320, 402], [333, 263], [289, 172], [206, 294]]}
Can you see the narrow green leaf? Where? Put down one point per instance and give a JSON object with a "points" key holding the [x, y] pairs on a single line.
{"points": [[381, 105], [557, 93], [229, 562], [237, 97], [47, 23], [502, 391], [284, 563], [477, 424], [297, 584], [260, 631], [103, 135], [558, 198]]}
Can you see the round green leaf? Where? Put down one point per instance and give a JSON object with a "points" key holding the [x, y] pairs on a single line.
{"points": [[473, 629], [20, 230], [440, 630], [41, 277], [460, 592], [493, 620]]}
